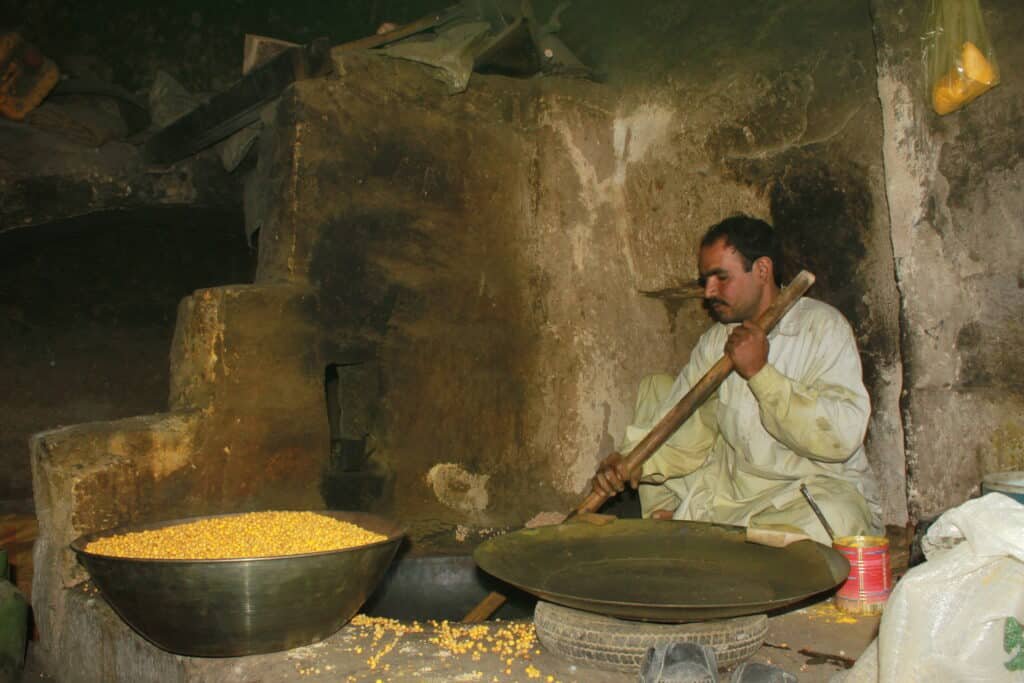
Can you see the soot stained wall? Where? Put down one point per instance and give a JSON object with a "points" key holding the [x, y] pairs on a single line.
{"points": [[956, 199]]}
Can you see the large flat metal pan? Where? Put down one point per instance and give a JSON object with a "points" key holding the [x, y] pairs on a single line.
{"points": [[666, 571]]}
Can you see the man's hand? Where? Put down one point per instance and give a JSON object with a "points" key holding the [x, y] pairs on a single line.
{"points": [[747, 348], [612, 476]]}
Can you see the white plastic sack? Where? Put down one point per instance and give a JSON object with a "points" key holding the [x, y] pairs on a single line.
{"points": [[958, 616]]}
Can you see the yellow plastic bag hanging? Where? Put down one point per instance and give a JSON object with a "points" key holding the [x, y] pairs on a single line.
{"points": [[960, 63]]}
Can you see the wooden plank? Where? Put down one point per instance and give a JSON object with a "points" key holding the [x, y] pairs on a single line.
{"points": [[239, 105], [423, 24], [17, 529], [259, 50], [17, 535]]}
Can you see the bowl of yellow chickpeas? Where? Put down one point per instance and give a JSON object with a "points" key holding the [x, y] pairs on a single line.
{"points": [[240, 584]]}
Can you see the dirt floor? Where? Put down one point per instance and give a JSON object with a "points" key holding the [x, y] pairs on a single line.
{"points": [[813, 642], [816, 642]]}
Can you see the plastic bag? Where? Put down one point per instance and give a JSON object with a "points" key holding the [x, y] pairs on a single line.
{"points": [[959, 61], [958, 616]]}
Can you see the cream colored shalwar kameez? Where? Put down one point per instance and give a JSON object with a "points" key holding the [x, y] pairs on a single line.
{"points": [[742, 457]]}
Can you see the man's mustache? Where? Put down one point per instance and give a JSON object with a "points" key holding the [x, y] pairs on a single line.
{"points": [[711, 302]]}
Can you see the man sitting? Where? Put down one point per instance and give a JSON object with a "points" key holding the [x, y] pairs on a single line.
{"points": [[793, 412]]}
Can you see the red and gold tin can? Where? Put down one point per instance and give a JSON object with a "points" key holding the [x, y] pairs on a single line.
{"points": [[867, 588]]}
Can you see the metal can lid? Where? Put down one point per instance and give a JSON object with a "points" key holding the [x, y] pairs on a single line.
{"points": [[861, 542]]}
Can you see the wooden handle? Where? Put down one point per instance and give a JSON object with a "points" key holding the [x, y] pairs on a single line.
{"points": [[700, 391], [776, 538], [483, 609]]}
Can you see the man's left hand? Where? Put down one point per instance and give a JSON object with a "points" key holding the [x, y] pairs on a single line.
{"points": [[747, 348]]}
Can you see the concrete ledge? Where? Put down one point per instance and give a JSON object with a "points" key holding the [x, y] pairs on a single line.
{"points": [[91, 477], [96, 646]]}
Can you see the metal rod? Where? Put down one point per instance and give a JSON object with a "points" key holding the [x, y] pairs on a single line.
{"points": [[817, 511]]}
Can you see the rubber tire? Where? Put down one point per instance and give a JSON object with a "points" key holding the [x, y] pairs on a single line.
{"points": [[619, 645]]}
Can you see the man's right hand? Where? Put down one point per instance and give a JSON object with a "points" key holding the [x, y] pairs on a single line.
{"points": [[612, 476]]}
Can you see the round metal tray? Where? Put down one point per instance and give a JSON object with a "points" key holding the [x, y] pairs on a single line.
{"points": [[665, 571]]}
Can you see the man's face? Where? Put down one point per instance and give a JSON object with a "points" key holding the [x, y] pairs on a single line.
{"points": [[731, 294]]}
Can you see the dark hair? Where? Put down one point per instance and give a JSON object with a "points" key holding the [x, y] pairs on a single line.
{"points": [[751, 237]]}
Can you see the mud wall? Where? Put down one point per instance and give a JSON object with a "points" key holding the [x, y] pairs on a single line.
{"points": [[956, 200], [770, 109], [706, 109], [492, 328], [447, 323], [466, 272], [487, 252]]}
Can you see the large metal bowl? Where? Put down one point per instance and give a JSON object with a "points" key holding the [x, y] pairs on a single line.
{"points": [[226, 608]]}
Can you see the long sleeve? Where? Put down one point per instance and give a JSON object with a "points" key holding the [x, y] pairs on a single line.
{"points": [[823, 414]]}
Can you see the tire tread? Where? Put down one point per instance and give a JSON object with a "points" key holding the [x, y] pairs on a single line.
{"points": [[619, 645]]}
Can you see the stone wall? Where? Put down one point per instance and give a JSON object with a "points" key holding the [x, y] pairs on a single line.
{"points": [[956, 201]]}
